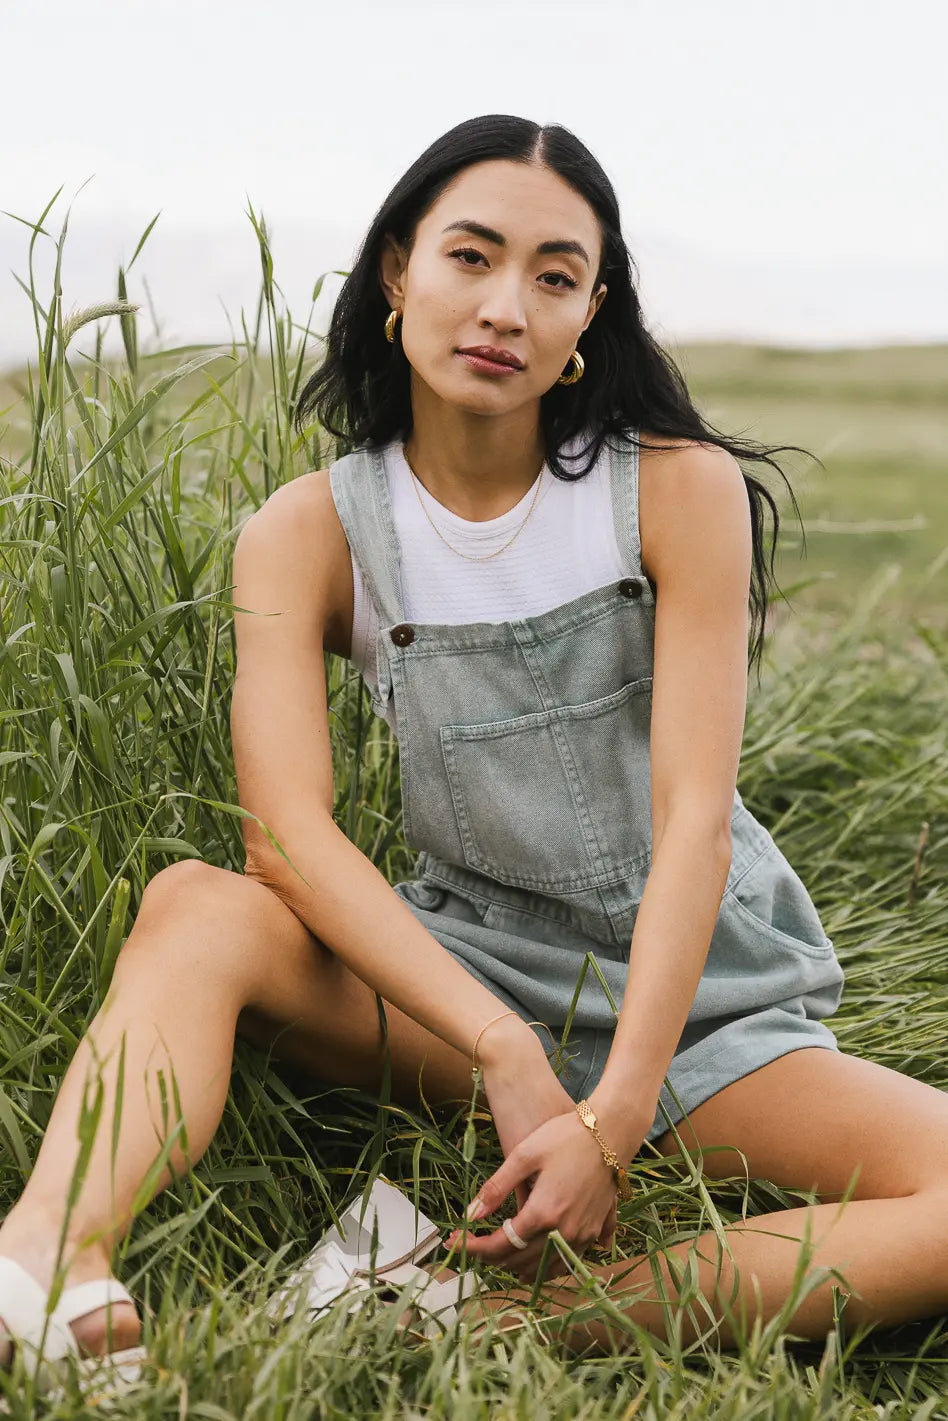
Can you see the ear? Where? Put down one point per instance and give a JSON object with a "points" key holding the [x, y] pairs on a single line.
{"points": [[392, 263], [595, 301]]}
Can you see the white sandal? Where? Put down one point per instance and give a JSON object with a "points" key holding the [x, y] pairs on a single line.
{"points": [[435, 1299], [342, 1262], [47, 1337]]}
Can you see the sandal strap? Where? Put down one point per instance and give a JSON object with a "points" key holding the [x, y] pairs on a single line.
{"points": [[330, 1269], [404, 1235], [341, 1261], [436, 1299], [83, 1298], [325, 1276], [23, 1306], [440, 1299]]}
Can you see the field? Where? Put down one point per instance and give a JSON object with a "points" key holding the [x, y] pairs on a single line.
{"points": [[123, 487]]}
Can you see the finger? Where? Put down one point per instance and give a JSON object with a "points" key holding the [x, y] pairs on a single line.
{"points": [[526, 1264], [516, 1169], [533, 1221], [486, 1244], [496, 1249], [522, 1192], [608, 1230], [499, 1248]]}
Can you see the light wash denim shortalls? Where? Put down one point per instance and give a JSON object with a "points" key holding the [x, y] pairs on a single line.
{"points": [[524, 754]]}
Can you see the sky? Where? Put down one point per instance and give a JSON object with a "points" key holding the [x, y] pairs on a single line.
{"points": [[780, 169]]}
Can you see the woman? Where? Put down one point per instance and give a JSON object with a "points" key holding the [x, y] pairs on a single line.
{"points": [[543, 561]]}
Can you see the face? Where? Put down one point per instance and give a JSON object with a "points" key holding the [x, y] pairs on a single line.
{"points": [[476, 277]]}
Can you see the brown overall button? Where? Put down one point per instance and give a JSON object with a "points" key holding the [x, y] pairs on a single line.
{"points": [[630, 588], [403, 634]]}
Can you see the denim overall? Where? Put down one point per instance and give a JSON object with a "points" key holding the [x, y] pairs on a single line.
{"points": [[524, 755]]}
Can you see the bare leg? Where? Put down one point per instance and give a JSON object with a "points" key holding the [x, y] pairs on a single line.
{"points": [[210, 950], [807, 1120]]}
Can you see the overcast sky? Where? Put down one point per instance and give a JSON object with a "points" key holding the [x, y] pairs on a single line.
{"points": [[780, 169]]}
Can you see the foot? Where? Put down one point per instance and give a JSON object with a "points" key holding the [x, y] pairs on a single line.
{"points": [[31, 1240]]}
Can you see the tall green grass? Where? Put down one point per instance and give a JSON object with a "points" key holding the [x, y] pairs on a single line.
{"points": [[124, 485]]}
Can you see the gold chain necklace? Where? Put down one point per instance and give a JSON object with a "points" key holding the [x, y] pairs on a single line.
{"points": [[473, 557]]}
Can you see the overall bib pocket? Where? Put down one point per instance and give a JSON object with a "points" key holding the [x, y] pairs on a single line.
{"points": [[774, 901], [558, 800]]}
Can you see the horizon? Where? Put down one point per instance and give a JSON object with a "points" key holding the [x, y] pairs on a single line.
{"points": [[775, 179]]}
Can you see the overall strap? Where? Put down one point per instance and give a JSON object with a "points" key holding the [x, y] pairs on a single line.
{"points": [[360, 493], [624, 477]]}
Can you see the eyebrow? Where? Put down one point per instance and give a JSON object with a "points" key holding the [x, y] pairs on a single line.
{"points": [[477, 229]]}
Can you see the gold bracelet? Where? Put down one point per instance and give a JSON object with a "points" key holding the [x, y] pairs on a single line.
{"points": [[588, 1117], [475, 1068]]}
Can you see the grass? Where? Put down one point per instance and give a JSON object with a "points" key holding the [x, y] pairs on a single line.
{"points": [[123, 487], [878, 419]]}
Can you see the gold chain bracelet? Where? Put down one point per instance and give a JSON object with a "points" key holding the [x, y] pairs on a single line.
{"points": [[588, 1117]]}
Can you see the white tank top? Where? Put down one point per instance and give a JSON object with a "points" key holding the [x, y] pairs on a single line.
{"points": [[567, 547]]}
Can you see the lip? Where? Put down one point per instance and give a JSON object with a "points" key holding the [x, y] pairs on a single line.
{"points": [[492, 355]]}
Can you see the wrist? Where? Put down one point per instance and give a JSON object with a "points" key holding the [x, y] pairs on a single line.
{"points": [[509, 1041], [625, 1115]]}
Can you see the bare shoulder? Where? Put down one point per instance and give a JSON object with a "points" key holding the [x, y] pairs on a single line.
{"points": [[297, 531], [689, 493]]}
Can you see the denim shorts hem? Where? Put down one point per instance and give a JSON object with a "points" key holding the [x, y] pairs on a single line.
{"points": [[706, 1078]]}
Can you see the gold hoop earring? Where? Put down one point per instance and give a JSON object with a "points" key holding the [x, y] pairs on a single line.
{"points": [[579, 365], [391, 319]]}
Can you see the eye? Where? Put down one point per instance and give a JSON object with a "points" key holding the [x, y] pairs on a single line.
{"points": [[465, 252], [567, 280], [564, 282]]}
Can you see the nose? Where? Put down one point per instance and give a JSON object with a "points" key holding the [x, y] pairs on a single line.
{"points": [[503, 306]]}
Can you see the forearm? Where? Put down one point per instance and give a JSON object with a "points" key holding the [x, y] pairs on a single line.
{"points": [[669, 947], [350, 906]]}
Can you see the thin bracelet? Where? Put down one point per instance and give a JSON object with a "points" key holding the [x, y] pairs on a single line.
{"points": [[475, 1068]]}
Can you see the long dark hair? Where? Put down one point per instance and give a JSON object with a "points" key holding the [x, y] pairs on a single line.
{"points": [[361, 391]]}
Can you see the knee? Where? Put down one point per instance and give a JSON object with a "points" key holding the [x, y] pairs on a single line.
{"points": [[195, 913], [192, 889]]}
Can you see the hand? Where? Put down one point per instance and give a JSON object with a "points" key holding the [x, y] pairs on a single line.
{"points": [[572, 1190], [521, 1088]]}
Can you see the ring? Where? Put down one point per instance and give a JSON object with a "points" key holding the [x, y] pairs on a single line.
{"points": [[512, 1234]]}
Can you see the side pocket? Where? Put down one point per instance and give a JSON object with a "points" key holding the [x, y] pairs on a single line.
{"points": [[418, 894], [774, 900], [436, 898]]}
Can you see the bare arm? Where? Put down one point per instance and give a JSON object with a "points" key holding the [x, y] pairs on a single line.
{"points": [[291, 564], [700, 556]]}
